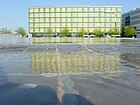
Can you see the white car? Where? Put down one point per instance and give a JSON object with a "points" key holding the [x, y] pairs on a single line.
{"points": [[85, 35], [92, 35], [115, 35], [88, 36]]}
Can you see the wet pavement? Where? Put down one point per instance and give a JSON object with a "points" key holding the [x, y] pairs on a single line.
{"points": [[105, 73]]}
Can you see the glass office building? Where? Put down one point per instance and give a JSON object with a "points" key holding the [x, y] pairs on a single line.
{"points": [[132, 18], [88, 18]]}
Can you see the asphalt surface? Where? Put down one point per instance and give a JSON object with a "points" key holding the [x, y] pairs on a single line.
{"points": [[70, 74]]}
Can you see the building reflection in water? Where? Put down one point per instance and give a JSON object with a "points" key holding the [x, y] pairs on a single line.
{"points": [[62, 64]]}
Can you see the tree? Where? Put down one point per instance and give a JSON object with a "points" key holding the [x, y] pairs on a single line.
{"points": [[65, 32], [81, 32], [122, 32], [130, 31], [113, 31], [21, 31], [98, 32], [5, 31], [49, 31]]}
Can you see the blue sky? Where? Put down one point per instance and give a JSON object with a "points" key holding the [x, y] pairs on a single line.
{"points": [[14, 13]]}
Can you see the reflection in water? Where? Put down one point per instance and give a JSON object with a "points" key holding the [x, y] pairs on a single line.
{"points": [[131, 60], [61, 40], [62, 64]]}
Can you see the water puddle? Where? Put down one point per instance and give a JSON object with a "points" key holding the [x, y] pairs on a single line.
{"points": [[28, 86]]}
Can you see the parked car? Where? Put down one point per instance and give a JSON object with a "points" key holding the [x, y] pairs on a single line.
{"points": [[116, 36], [92, 35], [88, 36], [85, 35]]}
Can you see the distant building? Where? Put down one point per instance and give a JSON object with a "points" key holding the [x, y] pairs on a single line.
{"points": [[89, 18], [132, 18]]}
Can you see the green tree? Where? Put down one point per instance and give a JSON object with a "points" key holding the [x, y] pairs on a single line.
{"points": [[122, 32], [5, 31], [113, 31], [65, 32], [98, 32], [81, 32], [21, 31], [49, 31], [130, 31]]}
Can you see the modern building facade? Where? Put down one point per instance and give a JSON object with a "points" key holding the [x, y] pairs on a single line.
{"points": [[132, 18], [88, 18]]}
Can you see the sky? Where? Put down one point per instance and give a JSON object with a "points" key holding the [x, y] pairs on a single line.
{"points": [[14, 13]]}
